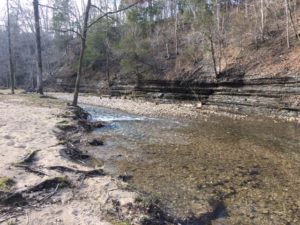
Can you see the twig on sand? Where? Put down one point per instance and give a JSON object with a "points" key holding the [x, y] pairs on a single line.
{"points": [[27, 218]]}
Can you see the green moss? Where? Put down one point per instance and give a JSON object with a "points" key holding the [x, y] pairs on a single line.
{"points": [[6, 183], [64, 182]]}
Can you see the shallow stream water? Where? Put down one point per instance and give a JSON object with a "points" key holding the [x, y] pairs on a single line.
{"points": [[251, 166]]}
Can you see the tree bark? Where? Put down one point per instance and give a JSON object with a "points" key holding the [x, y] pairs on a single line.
{"points": [[292, 21], [83, 46], [38, 47], [287, 24], [262, 20], [11, 66], [213, 55], [175, 28]]}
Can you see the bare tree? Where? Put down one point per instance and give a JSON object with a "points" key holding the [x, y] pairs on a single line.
{"points": [[262, 19], [287, 23], [11, 66], [38, 47], [213, 54], [83, 37], [83, 46], [292, 20]]}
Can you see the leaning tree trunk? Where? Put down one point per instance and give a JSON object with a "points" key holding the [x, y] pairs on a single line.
{"points": [[38, 47], [11, 66], [83, 46]]}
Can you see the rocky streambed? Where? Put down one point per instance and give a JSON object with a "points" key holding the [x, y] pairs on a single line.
{"points": [[205, 171]]}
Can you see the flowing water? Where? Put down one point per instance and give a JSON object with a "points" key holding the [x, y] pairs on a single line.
{"points": [[251, 166]]}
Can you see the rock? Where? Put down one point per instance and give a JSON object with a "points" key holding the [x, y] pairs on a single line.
{"points": [[97, 124], [199, 105], [158, 95], [188, 105]]}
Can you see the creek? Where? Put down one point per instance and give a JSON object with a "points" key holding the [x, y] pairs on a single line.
{"points": [[251, 166]]}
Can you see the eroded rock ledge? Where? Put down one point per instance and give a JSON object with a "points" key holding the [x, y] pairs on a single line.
{"points": [[261, 96]]}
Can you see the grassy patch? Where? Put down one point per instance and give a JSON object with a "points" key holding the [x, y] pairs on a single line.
{"points": [[6, 183], [64, 182]]}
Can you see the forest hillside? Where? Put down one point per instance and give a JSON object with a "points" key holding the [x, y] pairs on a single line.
{"points": [[172, 40], [193, 41]]}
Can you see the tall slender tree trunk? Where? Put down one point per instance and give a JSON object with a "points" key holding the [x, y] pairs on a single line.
{"points": [[107, 48], [8, 79], [38, 47], [246, 9], [262, 20], [175, 27], [11, 66], [213, 55], [83, 46], [292, 21], [287, 23], [115, 9]]}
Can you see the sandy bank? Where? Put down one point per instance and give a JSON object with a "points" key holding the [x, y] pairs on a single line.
{"points": [[27, 125]]}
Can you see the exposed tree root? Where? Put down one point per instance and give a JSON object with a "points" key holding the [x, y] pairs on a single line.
{"points": [[90, 173], [66, 127], [31, 170], [30, 158], [26, 164], [14, 202], [90, 125], [49, 184], [12, 199], [74, 154]]}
